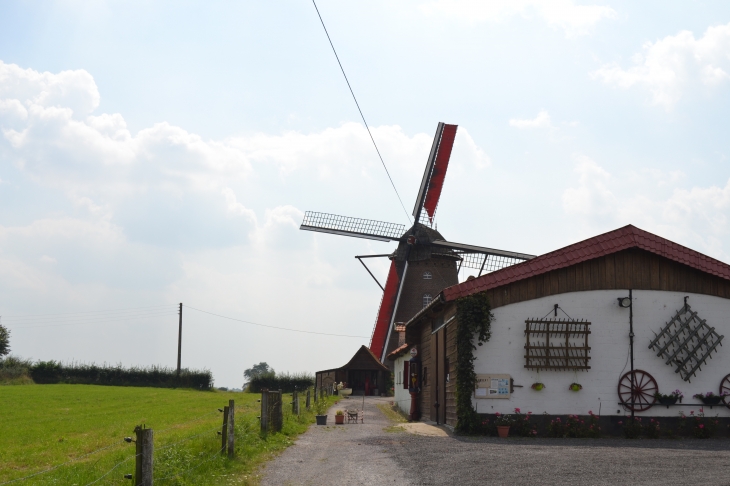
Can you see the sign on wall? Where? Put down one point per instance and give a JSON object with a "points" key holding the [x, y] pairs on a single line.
{"points": [[492, 386]]}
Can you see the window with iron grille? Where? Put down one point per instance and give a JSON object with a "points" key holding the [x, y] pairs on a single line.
{"points": [[427, 275]]}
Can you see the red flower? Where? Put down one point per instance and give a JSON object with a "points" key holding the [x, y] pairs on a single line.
{"points": [[702, 426], [620, 422], [517, 410]]}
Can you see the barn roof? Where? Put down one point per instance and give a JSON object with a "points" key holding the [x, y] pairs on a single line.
{"points": [[612, 242]]}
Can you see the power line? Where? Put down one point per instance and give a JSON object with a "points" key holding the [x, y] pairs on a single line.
{"points": [[275, 327], [408, 216]]}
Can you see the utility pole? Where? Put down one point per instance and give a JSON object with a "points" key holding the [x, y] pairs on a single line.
{"points": [[179, 341]]}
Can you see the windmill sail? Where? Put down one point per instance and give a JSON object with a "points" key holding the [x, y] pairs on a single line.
{"points": [[385, 313], [347, 226], [481, 258], [433, 176]]}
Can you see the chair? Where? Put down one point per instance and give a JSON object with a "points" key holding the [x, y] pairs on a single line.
{"points": [[353, 416]]}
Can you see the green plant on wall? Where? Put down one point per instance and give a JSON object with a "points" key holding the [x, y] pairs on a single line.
{"points": [[474, 318]]}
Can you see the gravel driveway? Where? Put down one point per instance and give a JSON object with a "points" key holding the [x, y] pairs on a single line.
{"points": [[340, 454], [367, 454]]}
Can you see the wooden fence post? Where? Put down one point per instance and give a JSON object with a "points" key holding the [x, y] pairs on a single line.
{"points": [[280, 411], [231, 434], [308, 403], [265, 411], [224, 430], [144, 451]]}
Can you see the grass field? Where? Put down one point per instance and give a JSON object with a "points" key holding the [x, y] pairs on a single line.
{"points": [[42, 426]]}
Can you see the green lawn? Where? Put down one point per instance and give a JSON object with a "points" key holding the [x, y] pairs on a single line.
{"points": [[42, 426]]}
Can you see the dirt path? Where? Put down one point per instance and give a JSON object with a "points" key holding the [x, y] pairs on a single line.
{"points": [[341, 454]]}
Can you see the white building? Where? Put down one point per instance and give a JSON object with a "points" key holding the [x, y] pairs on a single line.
{"points": [[558, 321]]}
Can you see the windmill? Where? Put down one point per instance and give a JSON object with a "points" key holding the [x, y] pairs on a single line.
{"points": [[424, 263]]}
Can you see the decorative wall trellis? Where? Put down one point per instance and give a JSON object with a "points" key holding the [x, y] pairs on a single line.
{"points": [[557, 344], [686, 341]]}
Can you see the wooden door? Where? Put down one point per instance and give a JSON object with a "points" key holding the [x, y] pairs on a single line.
{"points": [[441, 366], [432, 376]]}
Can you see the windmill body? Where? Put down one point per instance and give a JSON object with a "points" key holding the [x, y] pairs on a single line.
{"points": [[424, 263]]}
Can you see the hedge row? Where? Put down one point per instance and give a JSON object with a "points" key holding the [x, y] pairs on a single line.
{"points": [[284, 381], [47, 372]]}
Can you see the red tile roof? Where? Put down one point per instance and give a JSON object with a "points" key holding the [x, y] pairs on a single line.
{"points": [[596, 247], [397, 351]]}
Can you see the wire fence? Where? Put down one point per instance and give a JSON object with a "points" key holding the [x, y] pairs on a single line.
{"points": [[213, 432], [148, 458], [155, 456]]}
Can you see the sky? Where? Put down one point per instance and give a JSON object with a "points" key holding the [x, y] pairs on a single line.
{"points": [[157, 153]]}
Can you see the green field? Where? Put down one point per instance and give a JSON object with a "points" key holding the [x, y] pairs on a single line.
{"points": [[42, 426]]}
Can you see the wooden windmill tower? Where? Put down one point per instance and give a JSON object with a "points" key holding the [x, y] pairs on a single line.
{"points": [[424, 263]]}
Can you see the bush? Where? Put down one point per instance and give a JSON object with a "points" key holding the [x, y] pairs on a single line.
{"points": [[522, 425], [651, 429], [47, 372], [575, 427], [701, 427], [285, 382], [15, 370], [632, 428]]}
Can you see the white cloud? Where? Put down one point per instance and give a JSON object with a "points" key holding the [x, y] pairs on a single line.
{"points": [[574, 20], [542, 120], [650, 199], [669, 66], [71, 89], [235, 207], [103, 215]]}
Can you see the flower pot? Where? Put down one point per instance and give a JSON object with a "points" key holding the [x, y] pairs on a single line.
{"points": [[711, 400], [667, 400], [503, 431], [575, 387], [346, 392], [321, 419], [339, 419], [537, 386]]}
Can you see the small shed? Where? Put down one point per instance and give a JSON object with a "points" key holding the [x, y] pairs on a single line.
{"points": [[364, 373]]}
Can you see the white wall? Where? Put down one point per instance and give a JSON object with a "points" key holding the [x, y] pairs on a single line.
{"points": [[609, 340], [402, 397]]}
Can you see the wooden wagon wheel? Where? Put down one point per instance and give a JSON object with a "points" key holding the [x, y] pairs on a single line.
{"points": [[725, 388], [642, 396]]}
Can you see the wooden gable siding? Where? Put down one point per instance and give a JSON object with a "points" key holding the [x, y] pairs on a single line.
{"points": [[628, 269], [362, 362]]}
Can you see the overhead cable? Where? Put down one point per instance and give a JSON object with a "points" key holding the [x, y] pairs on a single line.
{"points": [[408, 216], [276, 327]]}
